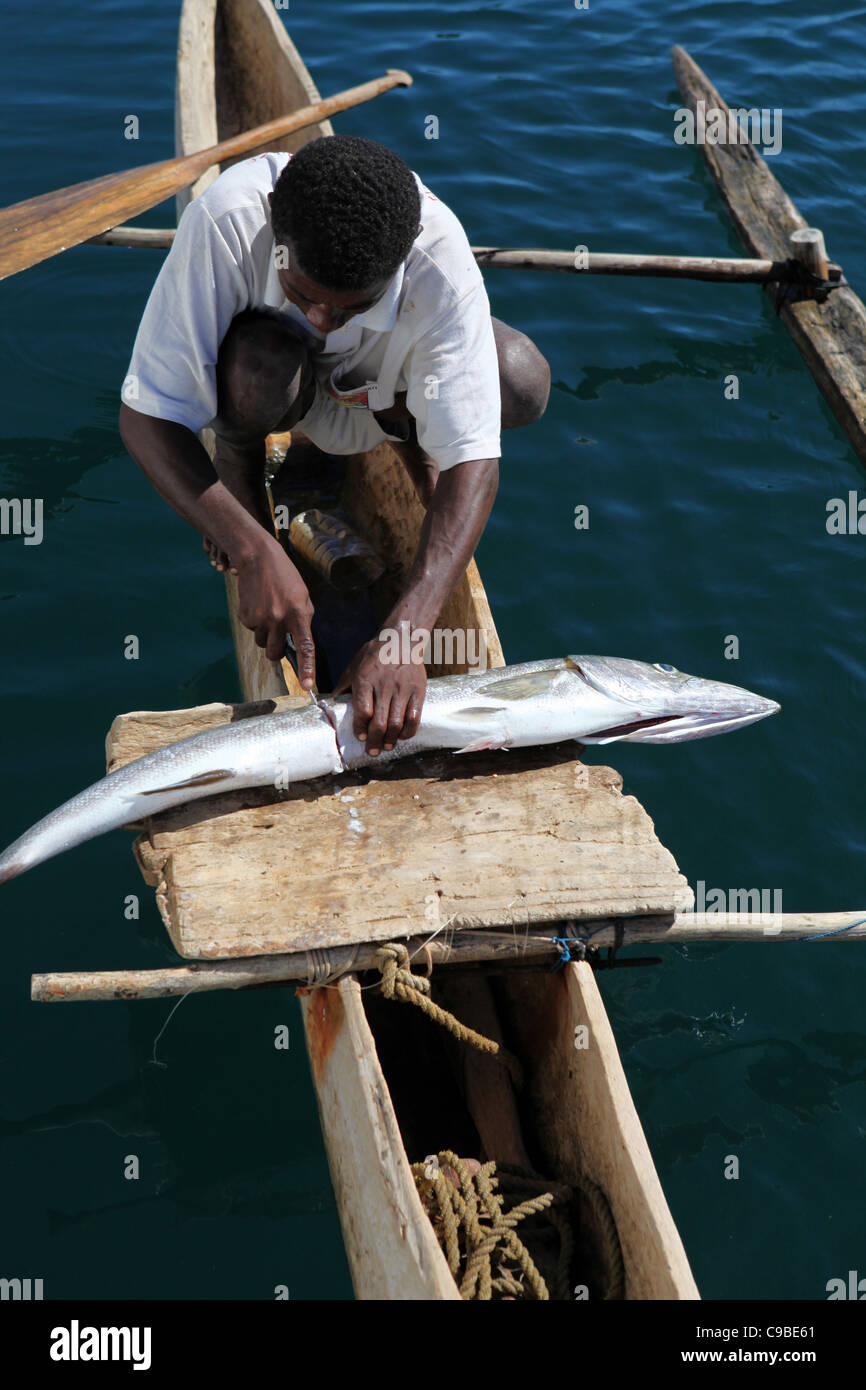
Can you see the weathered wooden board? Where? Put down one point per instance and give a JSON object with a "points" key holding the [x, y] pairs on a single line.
{"points": [[831, 334], [484, 840]]}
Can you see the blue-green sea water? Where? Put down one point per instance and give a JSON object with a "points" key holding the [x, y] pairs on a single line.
{"points": [[707, 520]]}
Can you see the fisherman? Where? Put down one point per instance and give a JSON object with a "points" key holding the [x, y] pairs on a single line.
{"points": [[331, 294]]}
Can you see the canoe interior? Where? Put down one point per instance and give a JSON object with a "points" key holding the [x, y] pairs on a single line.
{"points": [[575, 1115], [373, 494], [237, 68], [243, 34], [389, 1087], [422, 1066]]}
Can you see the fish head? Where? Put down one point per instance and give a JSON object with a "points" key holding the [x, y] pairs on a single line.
{"points": [[663, 705]]}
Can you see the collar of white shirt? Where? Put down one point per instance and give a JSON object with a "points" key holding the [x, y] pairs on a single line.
{"points": [[379, 318], [383, 314]]}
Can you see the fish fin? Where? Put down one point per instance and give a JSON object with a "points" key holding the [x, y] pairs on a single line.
{"points": [[481, 745], [523, 687], [204, 779]]}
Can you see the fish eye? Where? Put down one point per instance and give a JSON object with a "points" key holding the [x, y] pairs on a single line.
{"points": [[664, 666]]}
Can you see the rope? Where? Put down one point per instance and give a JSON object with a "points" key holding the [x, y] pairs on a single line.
{"points": [[516, 1180], [608, 1238], [321, 970], [398, 982], [485, 1256], [466, 1202], [797, 276], [487, 1259]]}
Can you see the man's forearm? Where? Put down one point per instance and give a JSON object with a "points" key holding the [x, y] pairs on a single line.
{"points": [[451, 530], [178, 466]]}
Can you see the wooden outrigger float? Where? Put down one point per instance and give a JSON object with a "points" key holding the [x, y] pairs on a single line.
{"points": [[237, 68], [826, 319]]}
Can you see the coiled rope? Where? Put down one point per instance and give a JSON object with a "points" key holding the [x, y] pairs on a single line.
{"points": [[466, 1202], [467, 1207]]}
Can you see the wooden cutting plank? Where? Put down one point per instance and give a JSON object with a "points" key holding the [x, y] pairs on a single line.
{"points": [[493, 839]]}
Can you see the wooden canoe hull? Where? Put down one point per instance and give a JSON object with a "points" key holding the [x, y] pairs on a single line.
{"points": [[220, 43], [229, 52], [586, 1123], [390, 1244]]}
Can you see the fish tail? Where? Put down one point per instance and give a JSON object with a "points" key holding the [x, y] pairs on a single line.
{"points": [[10, 868]]}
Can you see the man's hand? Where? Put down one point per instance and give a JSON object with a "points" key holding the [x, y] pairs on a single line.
{"points": [[387, 697], [273, 597], [273, 600]]}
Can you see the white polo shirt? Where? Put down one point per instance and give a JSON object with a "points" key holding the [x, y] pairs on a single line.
{"points": [[430, 335]]}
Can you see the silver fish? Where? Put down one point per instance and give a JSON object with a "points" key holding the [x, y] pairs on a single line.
{"points": [[594, 699]]}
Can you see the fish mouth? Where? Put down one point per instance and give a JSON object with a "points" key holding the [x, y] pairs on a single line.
{"points": [[685, 707], [685, 728]]}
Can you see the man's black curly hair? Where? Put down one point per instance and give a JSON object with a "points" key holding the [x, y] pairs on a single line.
{"points": [[351, 209]]}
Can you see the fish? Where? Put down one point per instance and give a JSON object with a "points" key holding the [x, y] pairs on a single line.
{"points": [[591, 699]]}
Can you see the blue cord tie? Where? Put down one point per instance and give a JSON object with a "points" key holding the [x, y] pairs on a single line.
{"points": [[834, 932], [565, 944]]}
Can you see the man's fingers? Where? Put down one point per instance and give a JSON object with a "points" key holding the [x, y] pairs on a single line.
{"points": [[363, 703], [386, 725], [396, 718], [305, 647], [306, 653], [276, 643], [412, 716], [378, 724]]}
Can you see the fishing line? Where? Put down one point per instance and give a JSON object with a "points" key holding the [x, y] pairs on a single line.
{"points": [[153, 1059]]}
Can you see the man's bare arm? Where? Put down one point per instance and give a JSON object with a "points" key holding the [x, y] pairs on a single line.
{"points": [[387, 698], [273, 597]]}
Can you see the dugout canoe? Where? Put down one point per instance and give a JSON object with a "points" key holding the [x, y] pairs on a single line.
{"points": [[829, 329], [386, 1095]]}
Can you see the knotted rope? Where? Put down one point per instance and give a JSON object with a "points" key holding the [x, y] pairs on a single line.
{"points": [[398, 982]]}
